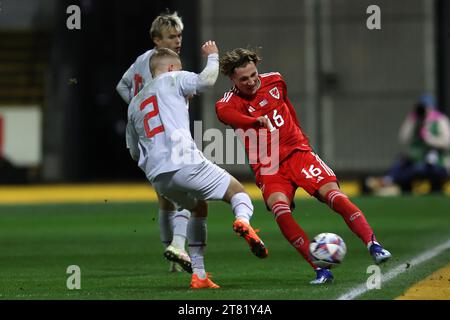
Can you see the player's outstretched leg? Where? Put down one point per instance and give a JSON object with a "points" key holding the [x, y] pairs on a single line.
{"points": [[242, 207], [294, 234], [290, 229], [355, 220], [298, 238]]}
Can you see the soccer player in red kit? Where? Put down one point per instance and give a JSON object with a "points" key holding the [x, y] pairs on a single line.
{"points": [[260, 101]]}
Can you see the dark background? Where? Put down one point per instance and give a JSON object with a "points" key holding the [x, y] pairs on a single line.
{"points": [[111, 38]]}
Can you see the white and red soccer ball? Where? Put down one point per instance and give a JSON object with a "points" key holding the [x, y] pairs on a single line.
{"points": [[327, 250]]}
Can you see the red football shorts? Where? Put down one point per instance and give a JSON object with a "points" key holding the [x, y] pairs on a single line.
{"points": [[301, 169]]}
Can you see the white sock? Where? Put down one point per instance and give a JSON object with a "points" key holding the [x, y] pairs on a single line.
{"points": [[180, 222], [198, 265], [197, 233], [165, 226], [242, 206]]}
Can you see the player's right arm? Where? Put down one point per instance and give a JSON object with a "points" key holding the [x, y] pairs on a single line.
{"points": [[125, 85], [230, 115]]}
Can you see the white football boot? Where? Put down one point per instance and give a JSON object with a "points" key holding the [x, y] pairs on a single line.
{"points": [[179, 256]]}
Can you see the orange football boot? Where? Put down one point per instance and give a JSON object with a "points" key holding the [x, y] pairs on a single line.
{"points": [[246, 231], [197, 283]]}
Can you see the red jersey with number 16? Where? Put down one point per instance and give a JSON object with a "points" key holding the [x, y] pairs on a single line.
{"points": [[270, 101]]}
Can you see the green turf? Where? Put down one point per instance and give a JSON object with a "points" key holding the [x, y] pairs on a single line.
{"points": [[118, 250]]}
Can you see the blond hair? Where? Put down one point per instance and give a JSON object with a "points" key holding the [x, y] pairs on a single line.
{"points": [[161, 56], [237, 58], [165, 21]]}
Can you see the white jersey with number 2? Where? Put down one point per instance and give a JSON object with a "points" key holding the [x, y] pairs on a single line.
{"points": [[158, 123]]}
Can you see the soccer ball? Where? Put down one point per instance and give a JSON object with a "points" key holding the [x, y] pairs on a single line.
{"points": [[327, 250]]}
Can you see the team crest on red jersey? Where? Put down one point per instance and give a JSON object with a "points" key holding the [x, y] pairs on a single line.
{"points": [[275, 93]]}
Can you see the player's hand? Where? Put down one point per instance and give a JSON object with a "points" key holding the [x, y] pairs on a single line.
{"points": [[209, 47], [263, 122]]}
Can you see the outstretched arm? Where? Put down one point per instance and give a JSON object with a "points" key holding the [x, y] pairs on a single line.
{"points": [[192, 83], [207, 78]]}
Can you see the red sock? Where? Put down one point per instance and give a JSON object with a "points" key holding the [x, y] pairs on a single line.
{"points": [[291, 230], [352, 215]]}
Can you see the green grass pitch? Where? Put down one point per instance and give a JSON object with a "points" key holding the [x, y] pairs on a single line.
{"points": [[117, 247]]}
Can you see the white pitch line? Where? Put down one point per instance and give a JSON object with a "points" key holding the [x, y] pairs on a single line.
{"points": [[361, 289]]}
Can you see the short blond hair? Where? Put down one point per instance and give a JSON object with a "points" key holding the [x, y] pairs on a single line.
{"points": [[237, 58], [158, 56], [165, 21]]}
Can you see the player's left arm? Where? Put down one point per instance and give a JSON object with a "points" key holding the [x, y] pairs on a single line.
{"points": [[125, 86], [208, 77], [192, 83], [229, 115]]}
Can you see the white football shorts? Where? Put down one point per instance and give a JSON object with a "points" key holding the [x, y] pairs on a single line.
{"points": [[184, 187]]}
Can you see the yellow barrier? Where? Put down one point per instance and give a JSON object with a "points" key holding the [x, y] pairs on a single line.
{"points": [[111, 192]]}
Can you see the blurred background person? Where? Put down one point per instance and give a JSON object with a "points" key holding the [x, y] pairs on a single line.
{"points": [[425, 139]]}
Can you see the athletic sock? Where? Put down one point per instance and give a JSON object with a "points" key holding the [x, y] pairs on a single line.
{"points": [[352, 215], [165, 218], [180, 222], [291, 230], [198, 265], [372, 241], [242, 206], [197, 233]]}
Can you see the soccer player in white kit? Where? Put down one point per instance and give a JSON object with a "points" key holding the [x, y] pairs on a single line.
{"points": [[159, 138], [166, 32]]}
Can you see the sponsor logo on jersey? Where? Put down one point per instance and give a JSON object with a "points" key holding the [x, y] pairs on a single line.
{"points": [[251, 109], [263, 103], [275, 93]]}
